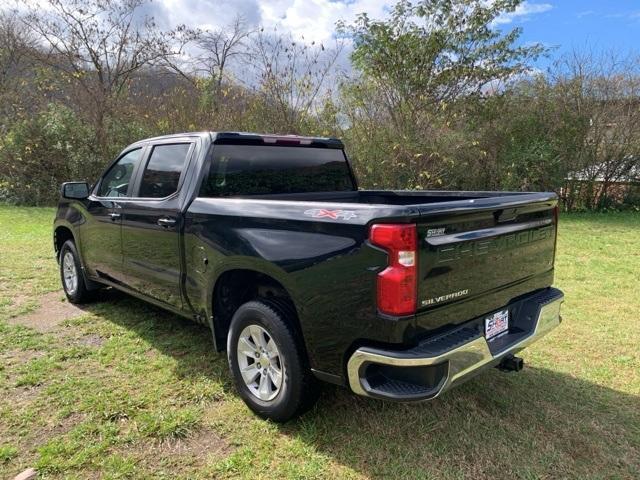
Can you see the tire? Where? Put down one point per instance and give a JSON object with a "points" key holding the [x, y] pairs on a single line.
{"points": [[298, 388], [71, 276]]}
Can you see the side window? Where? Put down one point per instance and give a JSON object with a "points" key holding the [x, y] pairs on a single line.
{"points": [[116, 181], [162, 174]]}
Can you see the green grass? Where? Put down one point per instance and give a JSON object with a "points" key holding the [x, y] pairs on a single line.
{"points": [[125, 390]]}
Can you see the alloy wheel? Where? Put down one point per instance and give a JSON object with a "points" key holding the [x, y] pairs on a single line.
{"points": [[69, 273], [260, 362]]}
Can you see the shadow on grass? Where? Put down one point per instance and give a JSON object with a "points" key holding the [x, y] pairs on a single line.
{"points": [[535, 424], [189, 343], [538, 423]]}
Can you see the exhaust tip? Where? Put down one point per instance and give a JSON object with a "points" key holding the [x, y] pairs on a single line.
{"points": [[511, 363]]}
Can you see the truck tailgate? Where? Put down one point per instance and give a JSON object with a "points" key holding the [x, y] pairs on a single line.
{"points": [[482, 250]]}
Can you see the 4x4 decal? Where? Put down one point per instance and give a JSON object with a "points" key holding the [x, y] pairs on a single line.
{"points": [[332, 214]]}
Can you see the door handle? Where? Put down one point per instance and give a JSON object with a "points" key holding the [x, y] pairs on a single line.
{"points": [[166, 222], [114, 216]]}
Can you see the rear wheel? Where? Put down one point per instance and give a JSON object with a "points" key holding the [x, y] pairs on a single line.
{"points": [[73, 281], [268, 363]]}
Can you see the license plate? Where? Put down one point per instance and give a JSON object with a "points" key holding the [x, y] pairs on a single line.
{"points": [[496, 324]]}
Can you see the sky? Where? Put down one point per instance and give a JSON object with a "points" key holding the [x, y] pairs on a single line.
{"points": [[567, 24], [560, 24]]}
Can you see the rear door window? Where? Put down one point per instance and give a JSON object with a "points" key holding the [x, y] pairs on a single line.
{"points": [[256, 170], [161, 176]]}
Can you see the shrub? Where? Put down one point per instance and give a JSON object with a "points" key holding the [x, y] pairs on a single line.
{"points": [[38, 154]]}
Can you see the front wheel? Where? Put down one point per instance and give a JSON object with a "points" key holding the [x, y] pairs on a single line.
{"points": [[73, 281], [268, 363]]}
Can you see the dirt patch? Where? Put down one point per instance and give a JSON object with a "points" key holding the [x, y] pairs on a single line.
{"points": [[53, 311], [19, 300], [27, 445], [21, 396], [194, 450], [16, 357], [199, 444], [90, 340], [62, 426], [18, 396]]}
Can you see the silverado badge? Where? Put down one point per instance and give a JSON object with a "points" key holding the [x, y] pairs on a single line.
{"points": [[444, 298]]}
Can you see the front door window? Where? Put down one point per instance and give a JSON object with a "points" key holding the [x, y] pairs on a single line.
{"points": [[116, 181]]}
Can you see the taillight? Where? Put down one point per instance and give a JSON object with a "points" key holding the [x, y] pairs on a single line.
{"points": [[397, 284]]}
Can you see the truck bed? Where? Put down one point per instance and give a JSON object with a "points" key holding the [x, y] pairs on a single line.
{"points": [[479, 243], [386, 197]]}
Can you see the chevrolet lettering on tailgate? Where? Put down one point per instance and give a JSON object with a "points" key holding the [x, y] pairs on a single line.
{"points": [[460, 250]]}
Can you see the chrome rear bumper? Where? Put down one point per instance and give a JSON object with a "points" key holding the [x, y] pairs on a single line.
{"points": [[447, 361]]}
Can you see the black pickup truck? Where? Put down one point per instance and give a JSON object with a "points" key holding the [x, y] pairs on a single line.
{"points": [[301, 277]]}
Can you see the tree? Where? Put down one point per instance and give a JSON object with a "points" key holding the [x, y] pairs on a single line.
{"points": [[603, 89], [218, 49], [205, 59], [434, 51], [292, 75], [415, 68], [98, 45], [16, 45]]}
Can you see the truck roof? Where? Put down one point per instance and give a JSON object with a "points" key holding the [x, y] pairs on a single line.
{"points": [[249, 138]]}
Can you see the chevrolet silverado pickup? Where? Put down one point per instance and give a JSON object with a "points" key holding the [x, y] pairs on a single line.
{"points": [[301, 276]]}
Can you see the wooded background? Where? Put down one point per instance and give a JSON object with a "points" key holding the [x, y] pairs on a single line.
{"points": [[435, 96]]}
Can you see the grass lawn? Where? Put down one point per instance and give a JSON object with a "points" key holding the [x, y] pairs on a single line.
{"points": [[124, 390]]}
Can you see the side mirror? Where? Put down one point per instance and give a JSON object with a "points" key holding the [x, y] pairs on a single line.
{"points": [[75, 190]]}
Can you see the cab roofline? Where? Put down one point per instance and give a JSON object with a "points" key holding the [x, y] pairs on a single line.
{"points": [[246, 138], [169, 137]]}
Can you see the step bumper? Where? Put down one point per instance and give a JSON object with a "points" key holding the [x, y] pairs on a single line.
{"points": [[438, 364]]}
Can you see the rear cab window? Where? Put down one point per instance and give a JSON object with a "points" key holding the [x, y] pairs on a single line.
{"points": [[238, 170]]}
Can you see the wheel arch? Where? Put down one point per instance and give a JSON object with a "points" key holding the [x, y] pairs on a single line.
{"points": [[236, 286], [61, 234]]}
